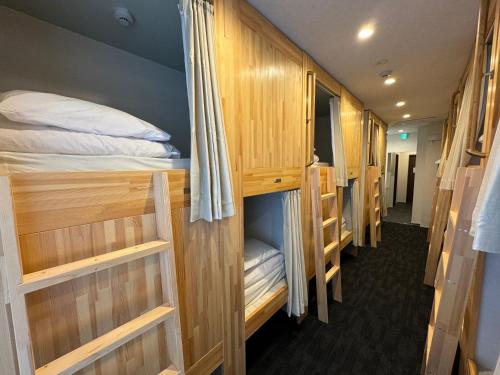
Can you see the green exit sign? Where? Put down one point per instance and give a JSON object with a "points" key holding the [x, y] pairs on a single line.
{"points": [[403, 136]]}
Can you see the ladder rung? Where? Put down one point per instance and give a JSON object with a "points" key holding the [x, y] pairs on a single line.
{"points": [[377, 209], [55, 275], [328, 249], [331, 272], [376, 195], [329, 222], [328, 195], [98, 348], [171, 370], [377, 223]]}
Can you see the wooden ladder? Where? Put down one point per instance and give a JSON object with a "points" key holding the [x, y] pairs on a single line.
{"points": [[454, 276], [18, 284], [331, 252], [374, 202]]}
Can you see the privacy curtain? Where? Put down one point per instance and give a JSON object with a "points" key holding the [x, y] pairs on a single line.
{"points": [[338, 142], [457, 156], [486, 215], [293, 250], [211, 190]]}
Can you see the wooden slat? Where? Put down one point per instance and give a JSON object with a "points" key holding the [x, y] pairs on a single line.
{"points": [[98, 348], [55, 275], [269, 307], [48, 201], [331, 246], [167, 267], [328, 195], [332, 272], [268, 180], [329, 221], [10, 248]]}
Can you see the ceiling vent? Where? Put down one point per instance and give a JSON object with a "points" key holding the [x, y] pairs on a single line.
{"points": [[124, 17]]}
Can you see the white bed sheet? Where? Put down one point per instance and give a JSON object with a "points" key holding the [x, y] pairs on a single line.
{"points": [[257, 252], [16, 137], [256, 303], [257, 273], [261, 287], [18, 162]]}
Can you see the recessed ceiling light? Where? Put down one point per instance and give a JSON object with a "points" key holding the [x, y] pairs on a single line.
{"points": [[401, 131], [400, 104], [389, 81], [407, 115], [365, 32]]}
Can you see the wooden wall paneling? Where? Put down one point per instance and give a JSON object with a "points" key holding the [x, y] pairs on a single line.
{"points": [[271, 95], [351, 111], [231, 76], [327, 80], [198, 268]]}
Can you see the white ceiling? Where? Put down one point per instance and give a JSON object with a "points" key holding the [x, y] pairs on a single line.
{"points": [[427, 43], [156, 34]]}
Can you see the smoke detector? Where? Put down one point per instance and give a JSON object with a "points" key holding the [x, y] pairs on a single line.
{"points": [[124, 17]]}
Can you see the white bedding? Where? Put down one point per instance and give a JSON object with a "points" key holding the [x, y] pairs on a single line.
{"points": [[257, 302], [257, 252], [17, 162], [16, 137], [257, 273], [261, 287]]}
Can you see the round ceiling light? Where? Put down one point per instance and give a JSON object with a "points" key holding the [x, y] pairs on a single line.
{"points": [[389, 81], [400, 104], [406, 115], [366, 32]]}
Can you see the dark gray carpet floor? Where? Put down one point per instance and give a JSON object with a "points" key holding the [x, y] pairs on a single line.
{"points": [[379, 328]]}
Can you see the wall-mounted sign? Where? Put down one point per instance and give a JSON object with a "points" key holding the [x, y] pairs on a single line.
{"points": [[403, 136]]}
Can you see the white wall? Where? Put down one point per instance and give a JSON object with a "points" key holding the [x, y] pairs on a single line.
{"points": [[39, 56], [396, 144], [428, 151]]}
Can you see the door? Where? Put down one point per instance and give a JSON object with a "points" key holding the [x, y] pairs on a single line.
{"points": [[411, 178], [395, 180]]}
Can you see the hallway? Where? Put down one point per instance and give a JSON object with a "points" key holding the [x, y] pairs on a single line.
{"points": [[380, 327]]}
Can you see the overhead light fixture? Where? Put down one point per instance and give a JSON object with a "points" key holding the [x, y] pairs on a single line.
{"points": [[365, 32], [407, 115], [389, 81], [401, 131], [388, 78], [400, 104]]}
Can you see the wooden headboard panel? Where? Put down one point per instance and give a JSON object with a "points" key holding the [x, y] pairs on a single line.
{"points": [[48, 201]]}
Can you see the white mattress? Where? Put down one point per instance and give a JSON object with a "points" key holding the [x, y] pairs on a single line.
{"points": [[18, 162], [264, 298]]}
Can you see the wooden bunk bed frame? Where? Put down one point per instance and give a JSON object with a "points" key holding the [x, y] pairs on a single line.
{"points": [[78, 247]]}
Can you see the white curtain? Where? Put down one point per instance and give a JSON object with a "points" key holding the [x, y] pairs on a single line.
{"points": [[457, 156], [211, 189], [486, 216], [293, 250], [357, 214], [338, 142]]}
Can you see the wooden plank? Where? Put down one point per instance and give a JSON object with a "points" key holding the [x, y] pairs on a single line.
{"points": [[269, 180], [59, 274], [167, 268], [328, 222], [331, 273], [319, 245], [48, 201], [98, 348], [330, 247], [440, 221], [333, 194], [263, 313], [457, 265], [14, 274], [208, 363]]}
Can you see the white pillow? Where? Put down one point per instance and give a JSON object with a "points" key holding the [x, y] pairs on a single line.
{"points": [[38, 108], [257, 252]]}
